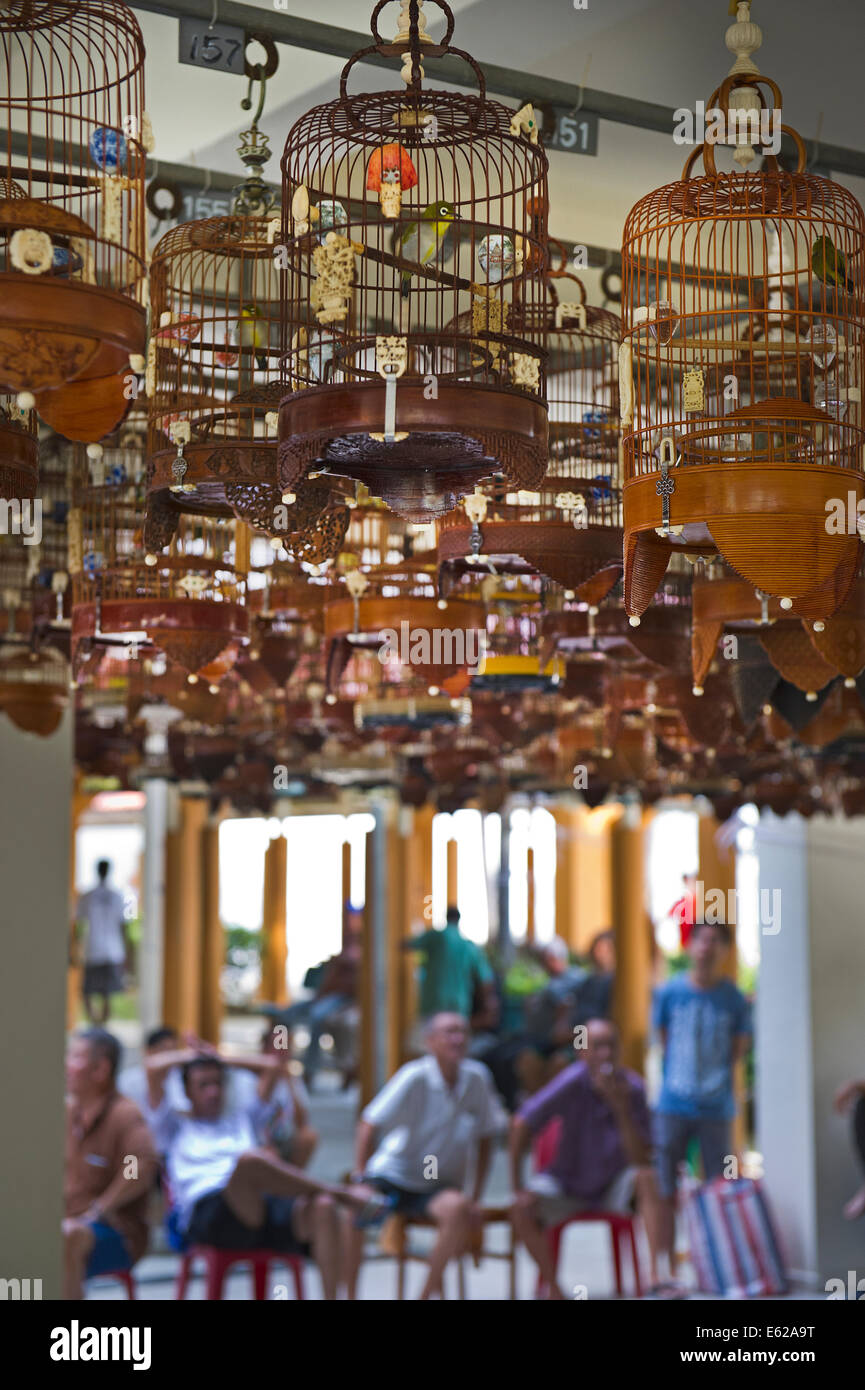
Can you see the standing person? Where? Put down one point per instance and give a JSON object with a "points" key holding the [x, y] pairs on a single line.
{"points": [[850, 1098], [110, 1166], [416, 1139], [457, 978], [337, 992], [704, 1025], [602, 1154], [101, 912], [684, 910]]}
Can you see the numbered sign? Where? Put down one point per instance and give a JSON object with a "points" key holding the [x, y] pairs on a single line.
{"points": [[573, 133], [220, 46]]}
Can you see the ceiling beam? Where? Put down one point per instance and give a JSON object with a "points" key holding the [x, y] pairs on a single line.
{"points": [[520, 86]]}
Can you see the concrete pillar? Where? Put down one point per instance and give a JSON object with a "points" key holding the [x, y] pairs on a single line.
{"points": [[530, 896], [453, 874], [346, 886], [159, 806], [213, 937], [416, 910], [809, 1034], [190, 942], [274, 948], [567, 820], [374, 1001], [633, 930], [504, 940], [34, 932]]}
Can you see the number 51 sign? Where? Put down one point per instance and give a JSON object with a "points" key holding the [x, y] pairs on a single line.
{"points": [[575, 132], [218, 46]]}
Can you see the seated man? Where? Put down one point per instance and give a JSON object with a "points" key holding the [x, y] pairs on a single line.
{"points": [[110, 1166], [429, 1118], [287, 1131], [602, 1159], [226, 1190]]}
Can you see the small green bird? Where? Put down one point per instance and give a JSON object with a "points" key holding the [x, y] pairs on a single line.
{"points": [[249, 334], [830, 265], [426, 241]]}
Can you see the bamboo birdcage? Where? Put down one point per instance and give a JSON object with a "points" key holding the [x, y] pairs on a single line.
{"points": [[72, 248], [414, 227], [569, 528], [807, 654], [213, 382], [741, 373], [188, 602]]}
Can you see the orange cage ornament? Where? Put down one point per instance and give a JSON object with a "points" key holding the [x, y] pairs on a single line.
{"points": [[740, 376], [414, 225], [72, 233]]}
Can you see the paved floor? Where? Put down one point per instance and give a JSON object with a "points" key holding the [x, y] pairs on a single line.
{"points": [[586, 1267]]}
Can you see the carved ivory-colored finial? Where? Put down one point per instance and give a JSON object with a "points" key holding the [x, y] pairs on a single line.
{"points": [[744, 38], [402, 34]]}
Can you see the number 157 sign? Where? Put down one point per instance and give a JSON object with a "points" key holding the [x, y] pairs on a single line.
{"points": [[217, 46]]}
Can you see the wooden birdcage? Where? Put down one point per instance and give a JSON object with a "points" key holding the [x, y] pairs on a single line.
{"points": [[569, 528], [19, 451], [808, 653], [392, 611], [741, 376], [188, 602], [414, 231], [600, 633], [72, 248]]}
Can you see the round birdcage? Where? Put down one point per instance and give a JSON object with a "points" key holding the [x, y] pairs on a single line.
{"points": [[741, 375], [188, 602], [414, 237], [598, 634], [569, 529], [807, 653], [72, 248]]}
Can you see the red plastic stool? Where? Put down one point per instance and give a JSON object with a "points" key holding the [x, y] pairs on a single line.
{"points": [[218, 1262], [622, 1229], [123, 1276]]}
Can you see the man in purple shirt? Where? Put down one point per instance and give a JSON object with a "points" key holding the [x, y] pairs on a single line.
{"points": [[602, 1155]]}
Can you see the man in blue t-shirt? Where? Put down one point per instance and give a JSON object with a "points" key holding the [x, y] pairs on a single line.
{"points": [[704, 1026]]}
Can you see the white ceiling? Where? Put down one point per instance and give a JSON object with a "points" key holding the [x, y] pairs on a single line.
{"points": [[666, 51]]}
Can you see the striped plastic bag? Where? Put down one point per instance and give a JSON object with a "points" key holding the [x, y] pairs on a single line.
{"points": [[734, 1246]]}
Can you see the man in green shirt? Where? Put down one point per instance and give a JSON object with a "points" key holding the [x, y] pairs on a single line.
{"points": [[457, 978]]}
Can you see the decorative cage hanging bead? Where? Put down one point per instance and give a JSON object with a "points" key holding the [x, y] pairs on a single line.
{"points": [[72, 248], [741, 372], [414, 225], [570, 527]]}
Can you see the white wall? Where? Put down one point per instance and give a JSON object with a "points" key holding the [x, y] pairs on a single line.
{"points": [[811, 1035], [34, 927]]}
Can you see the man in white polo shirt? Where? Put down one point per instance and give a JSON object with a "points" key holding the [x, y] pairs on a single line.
{"points": [[431, 1119]]}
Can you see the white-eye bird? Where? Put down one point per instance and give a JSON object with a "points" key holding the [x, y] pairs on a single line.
{"points": [[249, 335], [430, 239]]}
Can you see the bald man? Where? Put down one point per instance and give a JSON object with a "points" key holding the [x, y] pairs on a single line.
{"points": [[602, 1158], [416, 1141]]}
